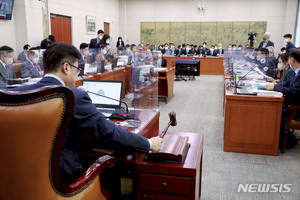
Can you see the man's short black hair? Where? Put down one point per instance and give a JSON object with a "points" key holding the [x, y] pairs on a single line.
{"points": [[31, 52], [295, 53], [26, 46], [5, 50], [58, 52], [100, 31], [52, 38], [264, 51], [288, 35], [83, 46], [283, 49]]}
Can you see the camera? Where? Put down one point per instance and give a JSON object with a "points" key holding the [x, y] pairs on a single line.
{"points": [[251, 37]]}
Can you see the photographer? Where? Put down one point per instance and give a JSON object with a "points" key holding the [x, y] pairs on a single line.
{"points": [[251, 38]]}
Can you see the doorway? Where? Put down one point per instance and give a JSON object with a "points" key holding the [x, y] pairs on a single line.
{"points": [[106, 28], [61, 28]]}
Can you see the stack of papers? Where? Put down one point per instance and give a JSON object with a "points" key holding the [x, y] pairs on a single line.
{"points": [[266, 93]]}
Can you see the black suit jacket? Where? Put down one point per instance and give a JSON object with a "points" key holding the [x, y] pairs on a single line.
{"points": [[94, 44], [87, 118], [289, 46], [44, 44], [270, 43], [118, 44]]}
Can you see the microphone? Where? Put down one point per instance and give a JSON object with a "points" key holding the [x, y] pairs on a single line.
{"points": [[129, 114]]}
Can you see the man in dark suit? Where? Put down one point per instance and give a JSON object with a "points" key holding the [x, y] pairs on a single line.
{"points": [[46, 42], [265, 63], [6, 68], [291, 90], [23, 54], [289, 44], [211, 51], [84, 51], [96, 42], [266, 41], [31, 68], [61, 68]]}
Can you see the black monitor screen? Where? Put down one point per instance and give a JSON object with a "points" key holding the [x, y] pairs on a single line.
{"points": [[6, 8]]}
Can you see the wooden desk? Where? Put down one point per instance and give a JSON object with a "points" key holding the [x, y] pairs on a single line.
{"points": [[252, 123], [169, 181], [208, 65], [166, 83]]}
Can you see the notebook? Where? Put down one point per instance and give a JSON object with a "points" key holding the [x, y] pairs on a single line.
{"points": [[110, 91]]}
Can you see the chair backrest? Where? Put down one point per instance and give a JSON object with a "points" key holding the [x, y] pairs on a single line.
{"points": [[32, 128]]}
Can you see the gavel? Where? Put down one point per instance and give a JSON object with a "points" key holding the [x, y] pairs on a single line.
{"points": [[172, 122]]}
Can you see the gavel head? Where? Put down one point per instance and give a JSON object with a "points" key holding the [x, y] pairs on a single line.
{"points": [[172, 116]]}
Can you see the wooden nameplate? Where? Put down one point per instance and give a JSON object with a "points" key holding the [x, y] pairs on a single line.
{"points": [[173, 148]]}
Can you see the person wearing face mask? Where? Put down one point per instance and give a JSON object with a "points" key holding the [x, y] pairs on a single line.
{"points": [[165, 49], [264, 63], [101, 55], [6, 68], [84, 51], [291, 90], [120, 43], [219, 49], [106, 38], [266, 41], [289, 44], [127, 51], [96, 42], [31, 68], [211, 51], [205, 49], [178, 50], [284, 67], [161, 62]]}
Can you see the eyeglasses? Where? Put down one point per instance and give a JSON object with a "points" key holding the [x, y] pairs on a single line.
{"points": [[78, 69]]}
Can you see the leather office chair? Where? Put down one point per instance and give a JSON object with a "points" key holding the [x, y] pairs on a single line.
{"points": [[290, 123], [32, 128]]}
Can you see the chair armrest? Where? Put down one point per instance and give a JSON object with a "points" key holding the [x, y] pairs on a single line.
{"points": [[93, 171], [294, 110]]}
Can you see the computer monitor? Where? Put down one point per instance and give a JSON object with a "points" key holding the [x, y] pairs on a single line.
{"points": [[81, 67], [111, 89], [100, 66], [114, 63]]}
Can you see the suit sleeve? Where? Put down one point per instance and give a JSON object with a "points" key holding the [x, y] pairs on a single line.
{"points": [[25, 70], [88, 118]]}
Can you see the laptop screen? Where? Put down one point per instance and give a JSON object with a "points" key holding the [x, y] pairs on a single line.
{"points": [[111, 89]]}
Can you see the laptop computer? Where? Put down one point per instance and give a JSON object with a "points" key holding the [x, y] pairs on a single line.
{"points": [[110, 91]]}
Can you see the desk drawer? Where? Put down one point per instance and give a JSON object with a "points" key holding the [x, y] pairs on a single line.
{"points": [[163, 183]]}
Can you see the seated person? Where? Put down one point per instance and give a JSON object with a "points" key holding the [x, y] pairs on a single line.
{"points": [[211, 51], [265, 64], [291, 90], [161, 62], [128, 51], [282, 50], [84, 51], [205, 49], [101, 55], [186, 50], [178, 50], [272, 54], [219, 49], [284, 66], [6, 68], [61, 68], [23, 54], [200, 50], [31, 68]]}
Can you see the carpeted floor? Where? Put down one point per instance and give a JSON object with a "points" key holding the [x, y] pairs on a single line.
{"points": [[198, 105]]}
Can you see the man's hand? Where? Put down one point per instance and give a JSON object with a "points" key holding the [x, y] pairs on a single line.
{"points": [[269, 86], [270, 79], [156, 143]]}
